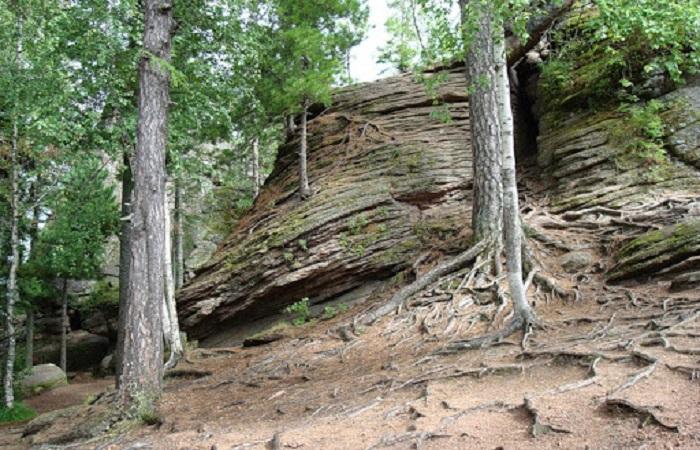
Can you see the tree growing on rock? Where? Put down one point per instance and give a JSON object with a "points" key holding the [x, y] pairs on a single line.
{"points": [[478, 37], [302, 59]]}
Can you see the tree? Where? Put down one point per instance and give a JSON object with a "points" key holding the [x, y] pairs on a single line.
{"points": [[404, 48], [31, 70], [71, 246], [302, 58], [142, 348]]}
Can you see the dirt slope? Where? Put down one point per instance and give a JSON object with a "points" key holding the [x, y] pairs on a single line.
{"points": [[617, 368]]}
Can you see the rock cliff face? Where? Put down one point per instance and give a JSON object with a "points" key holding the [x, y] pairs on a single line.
{"points": [[591, 169], [390, 181]]}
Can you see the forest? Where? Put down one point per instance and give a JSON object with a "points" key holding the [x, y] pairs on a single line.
{"points": [[349, 224]]}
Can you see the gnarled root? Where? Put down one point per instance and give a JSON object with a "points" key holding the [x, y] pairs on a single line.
{"points": [[421, 283]]}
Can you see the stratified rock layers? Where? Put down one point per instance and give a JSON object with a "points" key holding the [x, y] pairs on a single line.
{"points": [[390, 178]]}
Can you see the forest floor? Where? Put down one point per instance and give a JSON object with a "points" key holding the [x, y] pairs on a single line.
{"points": [[616, 368]]}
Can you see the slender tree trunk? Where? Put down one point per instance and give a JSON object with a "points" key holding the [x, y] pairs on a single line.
{"points": [[65, 325], [304, 190], [172, 333], [124, 260], [33, 236], [179, 235], [487, 212], [512, 229], [256, 168], [289, 126], [29, 345], [12, 291], [142, 357]]}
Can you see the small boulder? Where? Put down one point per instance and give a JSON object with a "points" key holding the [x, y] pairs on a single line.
{"points": [[107, 365], [573, 262], [43, 378]]}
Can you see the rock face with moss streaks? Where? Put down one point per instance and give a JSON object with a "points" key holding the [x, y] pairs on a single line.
{"points": [[390, 180]]}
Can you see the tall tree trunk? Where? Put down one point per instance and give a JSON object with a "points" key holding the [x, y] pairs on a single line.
{"points": [[512, 229], [256, 168], [304, 190], [29, 345], [65, 325], [487, 212], [142, 357], [179, 237], [33, 236], [124, 259], [12, 291], [172, 333]]}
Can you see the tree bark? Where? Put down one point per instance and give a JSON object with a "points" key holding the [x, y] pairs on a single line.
{"points": [[172, 333], [124, 260], [142, 357], [304, 190], [179, 237], [289, 127], [12, 291], [33, 236], [65, 325], [29, 345], [256, 168], [487, 212], [512, 229]]}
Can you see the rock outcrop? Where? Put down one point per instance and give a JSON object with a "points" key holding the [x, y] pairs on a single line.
{"points": [[390, 180], [84, 350], [652, 206]]}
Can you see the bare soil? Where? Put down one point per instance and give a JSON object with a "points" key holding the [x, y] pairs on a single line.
{"points": [[616, 368]]}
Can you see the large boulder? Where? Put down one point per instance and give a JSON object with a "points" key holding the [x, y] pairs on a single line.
{"points": [[84, 350], [669, 250], [390, 178], [42, 378], [684, 123]]}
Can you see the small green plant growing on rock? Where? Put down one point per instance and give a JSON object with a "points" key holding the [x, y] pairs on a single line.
{"points": [[301, 310], [642, 132], [330, 312]]}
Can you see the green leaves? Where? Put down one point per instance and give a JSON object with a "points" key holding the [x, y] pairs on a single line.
{"points": [[83, 215]]}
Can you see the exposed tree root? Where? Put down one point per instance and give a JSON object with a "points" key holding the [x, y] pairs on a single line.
{"points": [[634, 379], [539, 428], [421, 283], [646, 414], [517, 323], [456, 372], [591, 379], [418, 436], [692, 372]]}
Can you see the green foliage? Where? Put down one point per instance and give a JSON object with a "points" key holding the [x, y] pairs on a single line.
{"points": [[403, 49], [104, 297], [641, 132], [621, 50], [330, 311], [301, 310], [85, 215], [18, 413], [144, 410]]}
